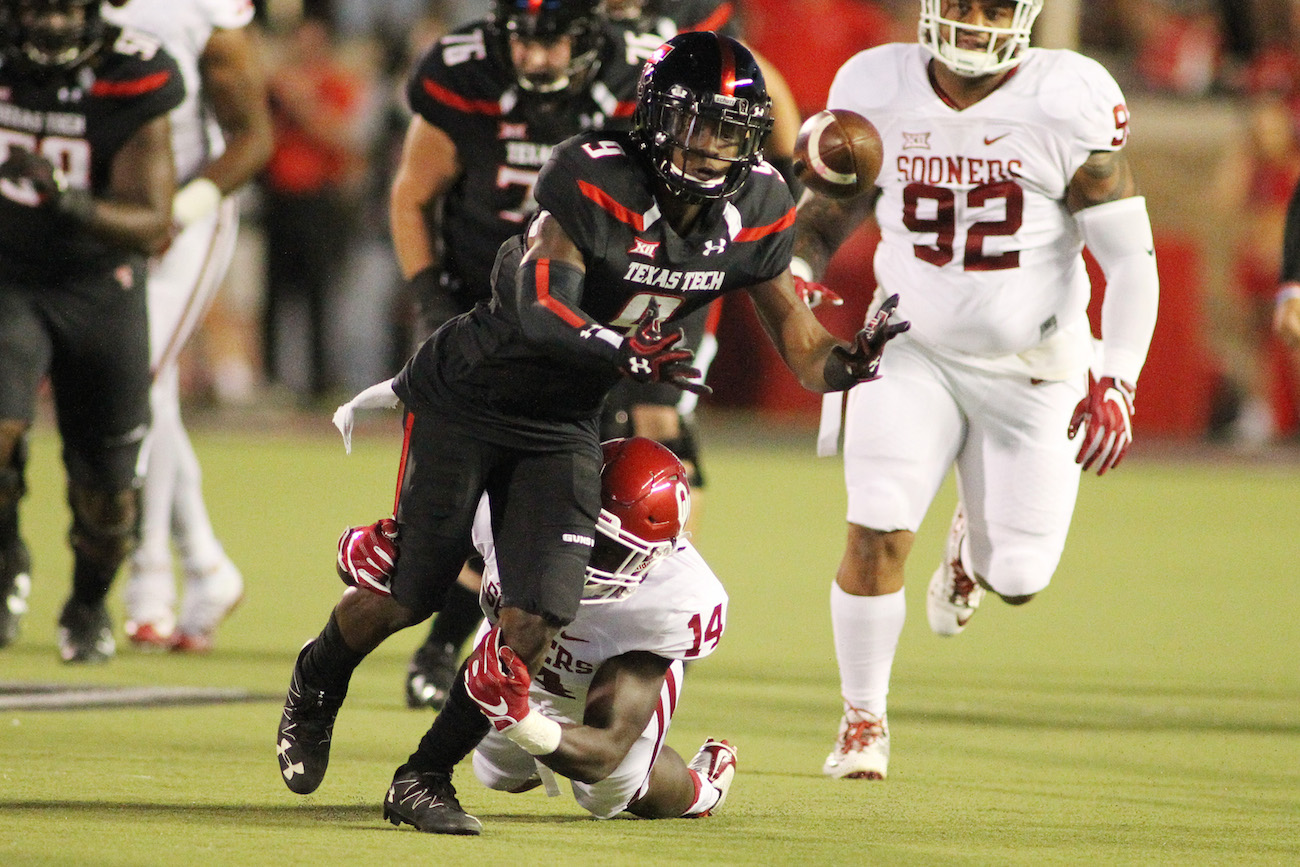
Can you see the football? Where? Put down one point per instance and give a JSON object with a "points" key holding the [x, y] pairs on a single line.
{"points": [[838, 153]]}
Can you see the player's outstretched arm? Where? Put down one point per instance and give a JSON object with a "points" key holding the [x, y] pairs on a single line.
{"points": [[623, 696], [819, 360]]}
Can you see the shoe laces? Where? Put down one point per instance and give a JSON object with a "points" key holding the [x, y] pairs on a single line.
{"points": [[863, 733], [962, 584]]}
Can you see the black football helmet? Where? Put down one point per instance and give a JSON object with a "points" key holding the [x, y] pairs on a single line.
{"points": [[645, 499], [44, 36], [702, 93], [583, 21]]}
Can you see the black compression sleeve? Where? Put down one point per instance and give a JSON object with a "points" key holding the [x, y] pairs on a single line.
{"points": [[548, 296]]}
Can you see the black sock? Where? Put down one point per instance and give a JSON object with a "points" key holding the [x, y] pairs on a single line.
{"points": [[459, 727], [329, 662], [90, 580], [456, 622]]}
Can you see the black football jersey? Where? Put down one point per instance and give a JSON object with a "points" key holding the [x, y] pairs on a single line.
{"points": [[503, 137], [602, 193], [79, 120]]}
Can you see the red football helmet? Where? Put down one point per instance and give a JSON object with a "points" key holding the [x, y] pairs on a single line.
{"points": [[645, 500]]}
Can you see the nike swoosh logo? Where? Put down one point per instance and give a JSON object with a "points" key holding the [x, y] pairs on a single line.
{"points": [[572, 638], [989, 141], [499, 709]]}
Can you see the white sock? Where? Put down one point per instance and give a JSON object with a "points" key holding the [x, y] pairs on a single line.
{"points": [[195, 538], [866, 637], [706, 795]]}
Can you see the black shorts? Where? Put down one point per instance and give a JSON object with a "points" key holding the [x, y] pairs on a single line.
{"points": [[90, 335], [544, 504]]}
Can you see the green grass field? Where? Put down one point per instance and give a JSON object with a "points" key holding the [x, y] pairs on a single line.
{"points": [[1144, 710]]}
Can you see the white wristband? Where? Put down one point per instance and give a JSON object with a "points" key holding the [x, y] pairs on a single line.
{"points": [[800, 268], [537, 734], [194, 201]]}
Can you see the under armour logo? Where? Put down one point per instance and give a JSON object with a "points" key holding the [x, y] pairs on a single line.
{"points": [[711, 247], [639, 365], [291, 769]]}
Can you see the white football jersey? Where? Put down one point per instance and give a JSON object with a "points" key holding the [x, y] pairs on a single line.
{"points": [[678, 612], [184, 27], [975, 235]]}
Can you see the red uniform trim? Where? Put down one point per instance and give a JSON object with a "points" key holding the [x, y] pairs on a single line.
{"points": [[625, 109], [401, 465], [542, 276], [134, 87], [458, 102], [611, 207], [756, 232]]}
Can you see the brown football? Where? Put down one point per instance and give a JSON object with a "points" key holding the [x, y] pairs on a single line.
{"points": [[838, 153]]}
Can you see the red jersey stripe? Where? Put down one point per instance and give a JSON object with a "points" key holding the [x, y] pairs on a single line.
{"points": [[613, 208], [544, 295], [756, 232], [458, 102], [134, 87]]}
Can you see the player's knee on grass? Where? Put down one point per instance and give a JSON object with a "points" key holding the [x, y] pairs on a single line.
{"points": [[504, 767], [105, 523]]}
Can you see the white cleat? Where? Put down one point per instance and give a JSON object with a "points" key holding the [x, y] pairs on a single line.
{"points": [[715, 762], [862, 748], [209, 599], [953, 595]]}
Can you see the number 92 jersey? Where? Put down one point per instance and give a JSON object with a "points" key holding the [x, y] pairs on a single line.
{"points": [[78, 121], [975, 234], [502, 139]]}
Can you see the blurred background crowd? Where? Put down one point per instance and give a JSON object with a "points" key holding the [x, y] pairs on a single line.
{"points": [[314, 309]]}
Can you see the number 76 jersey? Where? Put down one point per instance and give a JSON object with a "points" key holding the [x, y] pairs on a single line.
{"points": [[678, 612], [975, 235]]}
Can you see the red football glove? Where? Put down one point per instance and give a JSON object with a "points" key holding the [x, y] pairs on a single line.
{"points": [[814, 294], [498, 681], [367, 556], [1106, 418], [862, 362], [647, 355]]}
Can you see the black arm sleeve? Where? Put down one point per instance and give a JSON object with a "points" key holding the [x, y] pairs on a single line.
{"points": [[1291, 241], [547, 298]]}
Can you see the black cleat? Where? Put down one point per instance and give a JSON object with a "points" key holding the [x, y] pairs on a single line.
{"points": [[431, 674], [85, 633], [428, 802], [302, 742], [15, 586]]}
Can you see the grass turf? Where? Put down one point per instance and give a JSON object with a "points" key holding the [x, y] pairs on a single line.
{"points": [[1141, 711]]}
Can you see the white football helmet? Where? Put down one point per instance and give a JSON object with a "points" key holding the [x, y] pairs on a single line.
{"points": [[1004, 49]]}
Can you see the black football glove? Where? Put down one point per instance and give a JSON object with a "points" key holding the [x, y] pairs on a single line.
{"points": [[31, 179], [647, 355], [845, 368]]}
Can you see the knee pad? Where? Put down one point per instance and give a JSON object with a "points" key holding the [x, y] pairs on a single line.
{"points": [[1019, 573], [105, 524]]}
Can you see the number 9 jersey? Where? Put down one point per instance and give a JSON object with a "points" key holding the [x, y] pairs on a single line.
{"points": [[975, 234]]}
